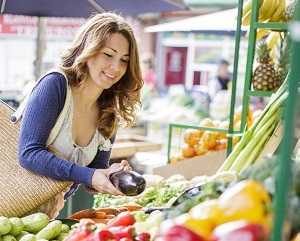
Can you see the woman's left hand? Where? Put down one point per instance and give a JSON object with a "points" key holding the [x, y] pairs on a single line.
{"points": [[100, 179], [122, 166]]}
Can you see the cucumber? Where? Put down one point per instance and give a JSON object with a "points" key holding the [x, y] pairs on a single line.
{"points": [[17, 226], [62, 236], [33, 223], [8, 237], [5, 225], [65, 228], [23, 233], [28, 237], [52, 230]]}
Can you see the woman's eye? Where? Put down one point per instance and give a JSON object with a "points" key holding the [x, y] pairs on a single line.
{"points": [[108, 55], [125, 61]]}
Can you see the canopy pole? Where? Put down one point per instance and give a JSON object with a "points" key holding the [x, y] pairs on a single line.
{"points": [[40, 47], [3, 6]]}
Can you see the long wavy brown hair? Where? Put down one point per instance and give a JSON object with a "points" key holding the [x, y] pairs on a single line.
{"points": [[119, 102]]}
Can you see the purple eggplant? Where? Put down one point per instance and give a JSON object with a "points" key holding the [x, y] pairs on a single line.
{"points": [[128, 182]]}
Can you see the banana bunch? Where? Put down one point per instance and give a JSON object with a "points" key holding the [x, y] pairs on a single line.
{"points": [[273, 40], [269, 11]]}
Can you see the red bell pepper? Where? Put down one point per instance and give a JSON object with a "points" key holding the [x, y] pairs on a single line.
{"points": [[122, 232], [123, 219], [180, 233], [104, 235], [125, 239], [239, 231], [80, 234], [142, 237]]}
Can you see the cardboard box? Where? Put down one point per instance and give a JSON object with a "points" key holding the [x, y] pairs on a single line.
{"points": [[196, 166], [126, 146]]}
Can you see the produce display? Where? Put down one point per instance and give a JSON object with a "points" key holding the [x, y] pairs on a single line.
{"points": [[272, 51], [234, 204], [103, 215], [269, 11], [33, 227], [254, 139], [198, 142], [120, 228]]}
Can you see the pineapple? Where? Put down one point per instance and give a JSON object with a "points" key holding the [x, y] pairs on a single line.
{"points": [[289, 10], [264, 77], [282, 66]]}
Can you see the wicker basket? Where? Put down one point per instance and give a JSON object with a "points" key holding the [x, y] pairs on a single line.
{"points": [[21, 190]]}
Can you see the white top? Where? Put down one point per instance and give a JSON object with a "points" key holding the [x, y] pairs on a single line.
{"points": [[64, 143], [60, 140]]}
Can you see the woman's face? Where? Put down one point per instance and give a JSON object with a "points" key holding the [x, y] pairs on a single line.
{"points": [[110, 64]]}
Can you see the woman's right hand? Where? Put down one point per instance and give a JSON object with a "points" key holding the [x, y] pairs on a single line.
{"points": [[100, 179]]}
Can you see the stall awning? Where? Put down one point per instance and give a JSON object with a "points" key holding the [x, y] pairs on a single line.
{"points": [[218, 21]]}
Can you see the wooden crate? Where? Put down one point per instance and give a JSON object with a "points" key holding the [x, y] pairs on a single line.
{"points": [[207, 164], [127, 145]]}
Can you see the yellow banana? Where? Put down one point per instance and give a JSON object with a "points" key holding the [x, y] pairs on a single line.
{"points": [[272, 9], [247, 11], [264, 10], [273, 41], [246, 18], [279, 14], [247, 7], [260, 33]]}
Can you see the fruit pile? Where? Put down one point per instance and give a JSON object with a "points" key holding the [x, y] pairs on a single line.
{"points": [[198, 142], [272, 49]]}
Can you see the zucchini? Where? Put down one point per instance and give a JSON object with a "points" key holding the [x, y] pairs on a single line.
{"points": [[28, 237], [17, 226], [33, 223], [5, 225], [65, 228], [62, 236], [23, 233], [8, 237], [52, 230]]}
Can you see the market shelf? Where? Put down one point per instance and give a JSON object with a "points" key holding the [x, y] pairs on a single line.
{"points": [[230, 133], [260, 93], [276, 26]]}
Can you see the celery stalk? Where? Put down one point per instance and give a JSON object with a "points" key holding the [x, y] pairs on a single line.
{"points": [[236, 151], [242, 157], [258, 148]]}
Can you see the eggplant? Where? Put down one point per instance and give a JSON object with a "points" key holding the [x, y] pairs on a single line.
{"points": [[128, 182]]}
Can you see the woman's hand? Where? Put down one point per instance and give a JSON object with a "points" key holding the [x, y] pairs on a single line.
{"points": [[100, 179]]}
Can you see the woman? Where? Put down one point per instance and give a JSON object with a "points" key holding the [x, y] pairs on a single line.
{"points": [[72, 114]]}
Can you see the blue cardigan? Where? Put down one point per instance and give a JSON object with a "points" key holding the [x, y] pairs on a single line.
{"points": [[45, 104]]}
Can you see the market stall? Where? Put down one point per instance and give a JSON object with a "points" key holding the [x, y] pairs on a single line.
{"points": [[247, 197]]}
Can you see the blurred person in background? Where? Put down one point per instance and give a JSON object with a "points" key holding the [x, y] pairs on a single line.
{"points": [[218, 91], [148, 71], [72, 114], [221, 80]]}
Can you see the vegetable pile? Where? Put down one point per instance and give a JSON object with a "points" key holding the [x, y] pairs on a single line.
{"points": [[32, 227], [248, 149]]}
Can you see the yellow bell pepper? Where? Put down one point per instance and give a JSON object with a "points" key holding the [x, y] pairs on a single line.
{"points": [[207, 210], [202, 227], [247, 200]]}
